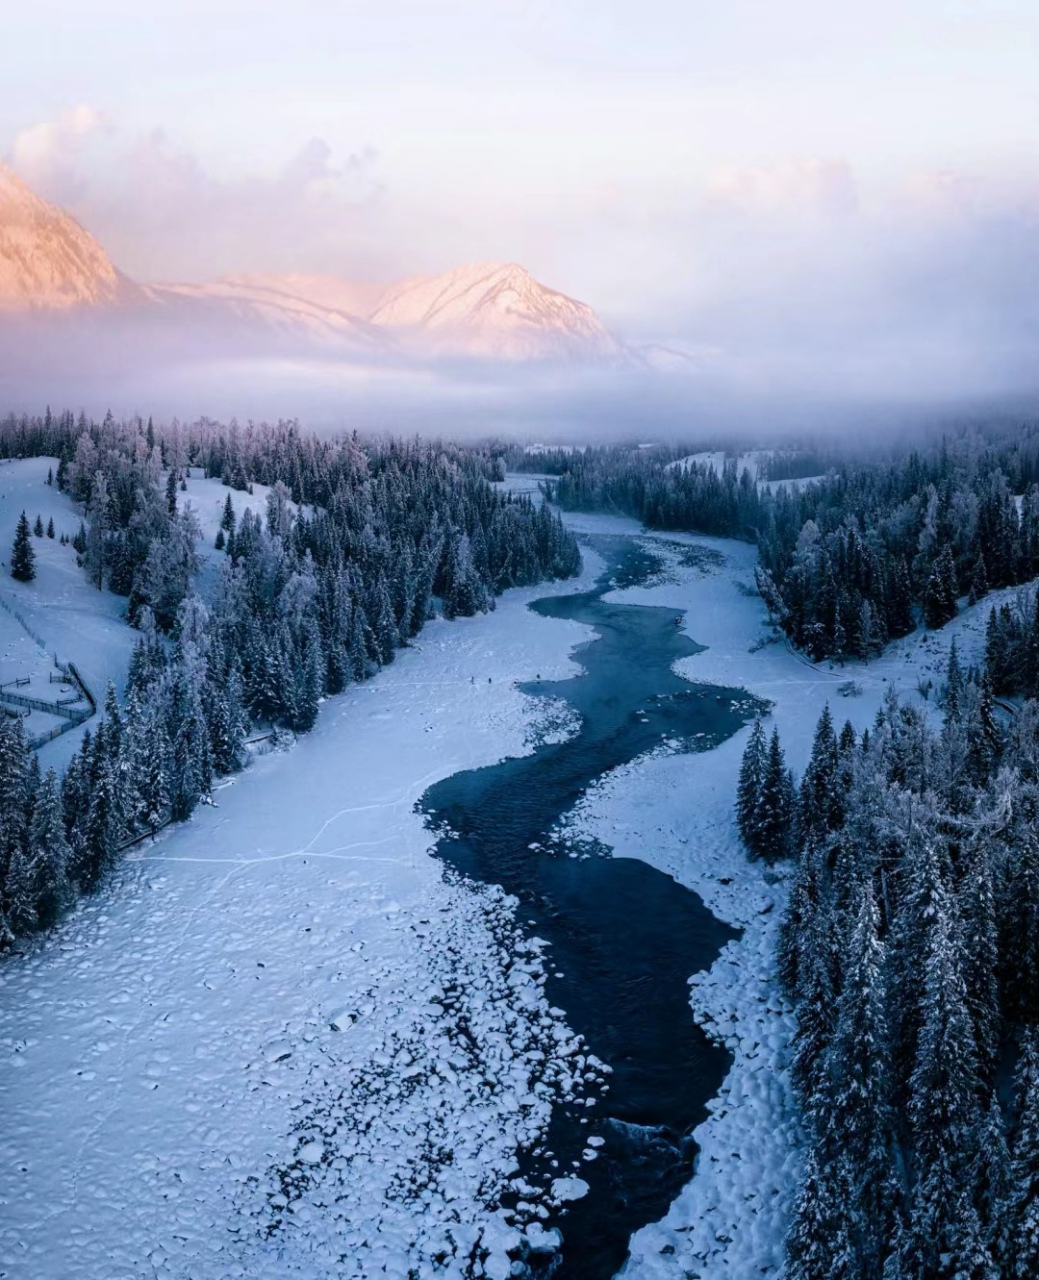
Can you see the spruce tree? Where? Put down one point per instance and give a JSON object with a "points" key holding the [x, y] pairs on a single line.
{"points": [[23, 557], [227, 520], [748, 791], [776, 806], [820, 804], [945, 1232], [1021, 1207], [859, 1120], [50, 853], [812, 1238], [50, 527]]}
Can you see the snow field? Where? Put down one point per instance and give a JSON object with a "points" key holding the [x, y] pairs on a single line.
{"points": [[282, 1043]]}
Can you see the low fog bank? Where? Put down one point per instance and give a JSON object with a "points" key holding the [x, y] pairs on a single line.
{"points": [[815, 383]]}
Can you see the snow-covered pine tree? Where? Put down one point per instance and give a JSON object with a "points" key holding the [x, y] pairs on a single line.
{"points": [[748, 790], [859, 1121], [813, 1249], [820, 804], [817, 991], [946, 1237], [775, 811], [23, 557], [1020, 1209], [227, 519], [49, 853]]}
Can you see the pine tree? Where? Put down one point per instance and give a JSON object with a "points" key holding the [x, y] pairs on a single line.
{"points": [[50, 527], [23, 557], [50, 853], [979, 933], [940, 594], [811, 1243], [775, 814], [748, 792], [946, 1235], [978, 581], [1021, 1207], [227, 520], [816, 1009], [820, 804], [860, 1120], [38, 527]]}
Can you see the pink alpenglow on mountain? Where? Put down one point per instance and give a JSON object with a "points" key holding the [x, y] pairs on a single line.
{"points": [[47, 261], [490, 311], [485, 311], [496, 311]]}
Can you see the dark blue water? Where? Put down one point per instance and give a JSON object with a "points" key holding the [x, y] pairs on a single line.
{"points": [[624, 936]]}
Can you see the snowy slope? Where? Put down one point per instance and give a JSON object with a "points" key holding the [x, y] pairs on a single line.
{"points": [[354, 297], [272, 312], [74, 620], [47, 261]]}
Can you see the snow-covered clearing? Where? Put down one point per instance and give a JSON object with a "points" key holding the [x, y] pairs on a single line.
{"points": [[281, 1043], [59, 608], [676, 811]]}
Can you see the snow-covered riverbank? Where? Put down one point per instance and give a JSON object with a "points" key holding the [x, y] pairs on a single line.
{"points": [[676, 811]]}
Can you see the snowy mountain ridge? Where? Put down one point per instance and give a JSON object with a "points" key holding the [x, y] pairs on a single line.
{"points": [[49, 263]]}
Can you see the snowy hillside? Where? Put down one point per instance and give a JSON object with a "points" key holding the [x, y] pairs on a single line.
{"points": [[74, 621], [269, 311]]}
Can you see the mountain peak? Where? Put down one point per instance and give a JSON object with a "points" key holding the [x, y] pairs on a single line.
{"points": [[48, 261], [483, 310], [495, 309]]}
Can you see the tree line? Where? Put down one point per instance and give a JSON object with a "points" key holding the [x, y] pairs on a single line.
{"points": [[910, 949], [310, 596], [857, 557]]}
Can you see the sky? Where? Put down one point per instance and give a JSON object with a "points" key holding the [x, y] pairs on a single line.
{"points": [[736, 177]]}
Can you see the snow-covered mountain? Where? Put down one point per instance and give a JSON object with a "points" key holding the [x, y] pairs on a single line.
{"points": [[47, 261], [275, 314], [494, 310], [488, 311]]}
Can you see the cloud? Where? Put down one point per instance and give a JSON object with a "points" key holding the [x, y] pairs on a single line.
{"points": [[161, 214], [47, 154], [801, 185]]}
